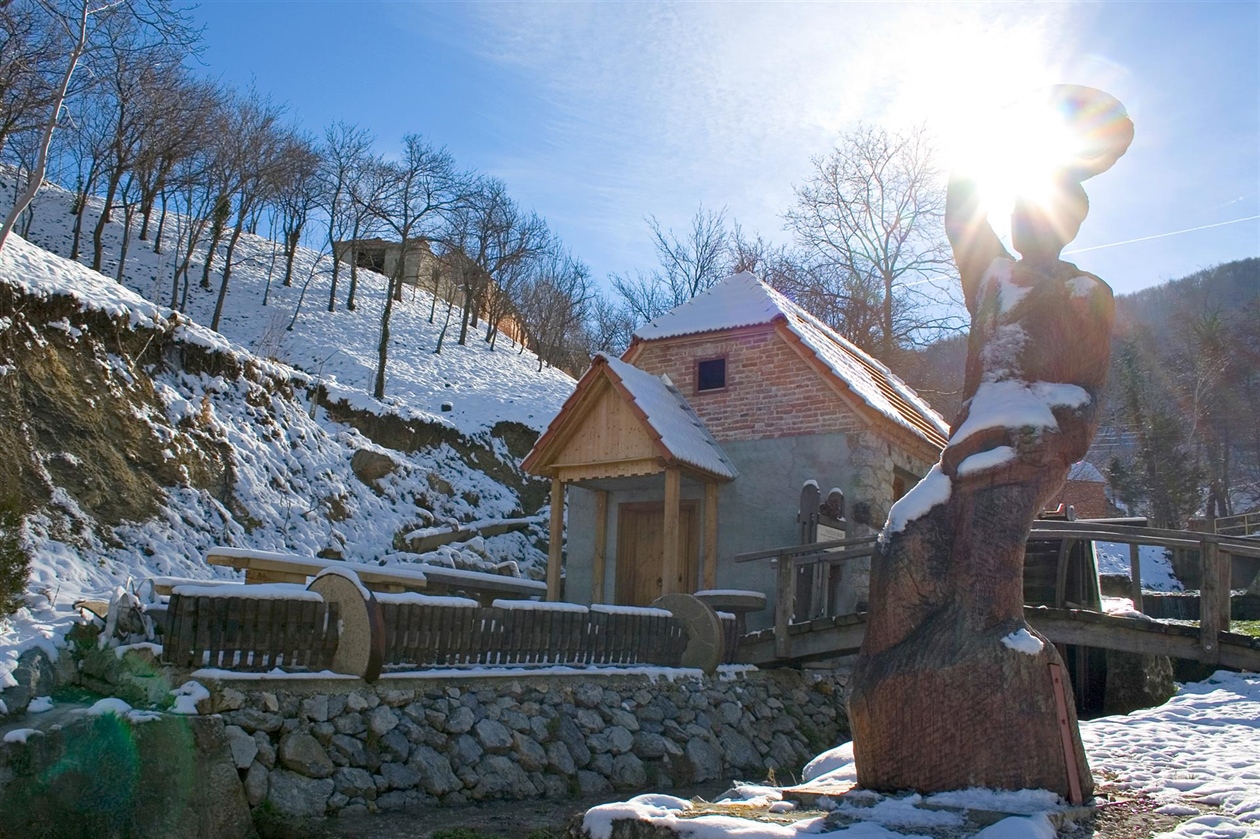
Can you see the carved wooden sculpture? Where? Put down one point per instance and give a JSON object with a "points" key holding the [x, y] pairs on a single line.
{"points": [[951, 688]]}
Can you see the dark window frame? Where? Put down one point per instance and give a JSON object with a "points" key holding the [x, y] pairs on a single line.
{"points": [[726, 381]]}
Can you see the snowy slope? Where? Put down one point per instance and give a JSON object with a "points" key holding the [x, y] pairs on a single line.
{"points": [[482, 386]]}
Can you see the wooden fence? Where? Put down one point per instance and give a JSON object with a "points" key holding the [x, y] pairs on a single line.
{"points": [[419, 635], [249, 633], [225, 628]]}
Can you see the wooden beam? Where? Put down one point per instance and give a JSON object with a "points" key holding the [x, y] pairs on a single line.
{"points": [[785, 596], [671, 560], [601, 539], [710, 535], [1135, 577], [1210, 601], [555, 546]]}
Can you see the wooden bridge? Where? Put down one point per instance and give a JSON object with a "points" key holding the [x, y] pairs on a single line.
{"points": [[1060, 584]]}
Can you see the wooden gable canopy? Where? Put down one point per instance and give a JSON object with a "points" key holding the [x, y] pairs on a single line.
{"points": [[621, 422]]}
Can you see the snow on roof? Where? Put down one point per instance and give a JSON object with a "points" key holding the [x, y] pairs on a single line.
{"points": [[1083, 470], [672, 417], [743, 300]]}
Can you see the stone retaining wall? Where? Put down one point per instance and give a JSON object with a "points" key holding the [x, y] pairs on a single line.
{"points": [[313, 747]]}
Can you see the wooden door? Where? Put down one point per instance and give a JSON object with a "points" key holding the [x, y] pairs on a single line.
{"points": [[641, 550]]}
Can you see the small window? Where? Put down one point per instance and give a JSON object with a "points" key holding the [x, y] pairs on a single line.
{"points": [[711, 374]]}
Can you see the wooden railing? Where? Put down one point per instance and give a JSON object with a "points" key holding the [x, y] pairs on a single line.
{"points": [[215, 627], [420, 635], [1244, 524], [1213, 552]]}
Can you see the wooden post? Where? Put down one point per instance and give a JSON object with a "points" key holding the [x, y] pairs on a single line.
{"points": [[1135, 577], [555, 546], [601, 539], [785, 597], [671, 561], [710, 535], [1210, 601], [1225, 564]]}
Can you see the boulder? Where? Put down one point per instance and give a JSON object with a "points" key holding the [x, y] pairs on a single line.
{"points": [[297, 796], [1137, 681], [303, 754], [370, 466]]}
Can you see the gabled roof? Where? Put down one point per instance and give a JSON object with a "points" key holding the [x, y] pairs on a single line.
{"points": [[742, 300], [679, 437]]}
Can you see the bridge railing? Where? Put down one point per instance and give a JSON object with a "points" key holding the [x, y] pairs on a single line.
{"points": [[1214, 552]]}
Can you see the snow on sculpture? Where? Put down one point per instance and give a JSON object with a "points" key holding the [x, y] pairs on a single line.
{"points": [[951, 688]]}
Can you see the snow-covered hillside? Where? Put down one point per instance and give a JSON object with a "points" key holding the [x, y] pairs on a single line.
{"points": [[136, 438], [482, 387]]}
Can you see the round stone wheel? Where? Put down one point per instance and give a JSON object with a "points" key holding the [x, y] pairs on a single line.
{"points": [[361, 646], [706, 643]]}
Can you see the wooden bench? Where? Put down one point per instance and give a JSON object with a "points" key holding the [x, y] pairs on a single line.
{"points": [[738, 602], [267, 567]]}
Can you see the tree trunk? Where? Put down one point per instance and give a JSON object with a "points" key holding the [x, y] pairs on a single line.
{"points": [[98, 232], [227, 271], [463, 324], [382, 349], [290, 244], [157, 239]]}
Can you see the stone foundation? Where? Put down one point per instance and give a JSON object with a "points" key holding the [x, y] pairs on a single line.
{"points": [[315, 747]]}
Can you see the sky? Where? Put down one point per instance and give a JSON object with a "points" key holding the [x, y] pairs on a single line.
{"points": [[600, 114]]}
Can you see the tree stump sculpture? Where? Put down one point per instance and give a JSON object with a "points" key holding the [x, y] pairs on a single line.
{"points": [[951, 688]]}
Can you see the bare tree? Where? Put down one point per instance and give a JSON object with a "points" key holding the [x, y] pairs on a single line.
{"points": [[689, 264], [554, 306], [297, 191], [345, 150], [31, 47], [83, 23], [415, 195], [870, 221]]}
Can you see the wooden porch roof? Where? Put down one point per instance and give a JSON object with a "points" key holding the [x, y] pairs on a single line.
{"points": [[621, 422]]}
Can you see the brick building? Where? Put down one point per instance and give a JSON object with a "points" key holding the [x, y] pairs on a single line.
{"points": [[694, 447]]}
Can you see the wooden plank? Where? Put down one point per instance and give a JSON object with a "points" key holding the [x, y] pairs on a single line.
{"points": [[1135, 576], [208, 607], [1061, 571], [784, 596], [601, 546], [671, 557], [262, 656], [555, 545], [186, 620], [710, 535], [232, 658], [1210, 596]]}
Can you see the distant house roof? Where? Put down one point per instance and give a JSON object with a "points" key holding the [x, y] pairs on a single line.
{"points": [[742, 300], [678, 434], [1083, 470]]}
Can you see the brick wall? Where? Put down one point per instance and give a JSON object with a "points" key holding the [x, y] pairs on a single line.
{"points": [[770, 390], [1086, 496]]}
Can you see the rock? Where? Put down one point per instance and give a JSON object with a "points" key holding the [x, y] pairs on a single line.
{"points": [[297, 796], [628, 772], [465, 751], [620, 740], [357, 702], [601, 763], [381, 720], [567, 732], [350, 723], [253, 719], [730, 713], [400, 775], [494, 736], [315, 708], [559, 758], [1137, 681], [531, 756], [269, 702], [704, 759], [590, 720], [395, 745], [369, 466], [588, 695], [460, 720], [353, 782], [395, 698], [500, 777], [336, 801], [591, 784], [392, 802], [649, 745], [256, 785], [228, 699], [303, 754], [739, 750], [244, 748], [435, 771], [266, 751], [623, 718]]}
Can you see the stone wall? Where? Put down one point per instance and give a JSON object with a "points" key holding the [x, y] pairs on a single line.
{"points": [[313, 747]]}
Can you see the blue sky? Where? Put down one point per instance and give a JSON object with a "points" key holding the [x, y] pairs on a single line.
{"points": [[599, 114]]}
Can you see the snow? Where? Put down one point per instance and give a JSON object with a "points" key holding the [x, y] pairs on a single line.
{"points": [[1194, 752], [187, 696], [743, 300], [1155, 565], [539, 605], [990, 459], [1023, 641], [258, 591], [1016, 404], [1083, 470], [672, 418], [21, 735], [40, 705], [346, 574], [405, 597], [289, 460], [645, 611], [934, 489]]}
